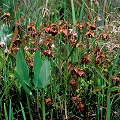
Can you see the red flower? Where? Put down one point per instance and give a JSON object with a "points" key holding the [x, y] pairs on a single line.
{"points": [[99, 56], [104, 36], [8, 15], [48, 40], [81, 26], [33, 31], [52, 29], [74, 99], [73, 41], [47, 52], [90, 34], [77, 72], [86, 59], [80, 107], [48, 101], [91, 26], [73, 84]]}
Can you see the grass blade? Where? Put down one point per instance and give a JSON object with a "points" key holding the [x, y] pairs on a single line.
{"points": [[23, 113], [73, 12], [6, 115]]}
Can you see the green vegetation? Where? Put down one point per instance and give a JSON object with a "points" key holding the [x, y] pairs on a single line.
{"points": [[60, 60]]}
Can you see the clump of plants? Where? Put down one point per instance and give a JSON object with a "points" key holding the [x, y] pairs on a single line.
{"points": [[58, 65]]}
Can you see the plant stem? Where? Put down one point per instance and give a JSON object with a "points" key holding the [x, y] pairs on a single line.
{"points": [[108, 103], [43, 105], [37, 102], [28, 103]]}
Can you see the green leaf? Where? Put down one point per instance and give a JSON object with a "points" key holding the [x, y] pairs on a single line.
{"points": [[23, 112], [73, 12], [23, 84], [37, 66], [22, 68], [5, 111], [44, 75], [114, 88], [116, 100]]}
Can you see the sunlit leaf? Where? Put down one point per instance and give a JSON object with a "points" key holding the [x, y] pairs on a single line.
{"points": [[44, 75], [114, 88], [23, 84], [22, 68], [37, 66]]}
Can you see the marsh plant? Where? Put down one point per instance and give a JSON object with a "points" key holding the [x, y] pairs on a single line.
{"points": [[59, 60]]}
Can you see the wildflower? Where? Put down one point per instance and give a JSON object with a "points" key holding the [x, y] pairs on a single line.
{"points": [[105, 36], [8, 15], [53, 46], [81, 45], [90, 34], [31, 27], [64, 29], [26, 48], [51, 29], [98, 59], [73, 41], [73, 32], [77, 72], [80, 72], [30, 62], [86, 59], [91, 26], [99, 18], [73, 84], [75, 98], [114, 78], [2, 43], [33, 30], [81, 26], [6, 50], [48, 101], [48, 40], [80, 107], [99, 56], [47, 52]]}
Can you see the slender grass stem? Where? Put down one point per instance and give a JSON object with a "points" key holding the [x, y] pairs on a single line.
{"points": [[5, 110], [37, 101], [29, 109], [43, 105]]}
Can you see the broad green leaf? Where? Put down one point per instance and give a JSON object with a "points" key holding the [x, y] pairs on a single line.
{"points": [[19, 67], [23, 84], [114, 88], [44, 75], [37, 66], [22, 68]]}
